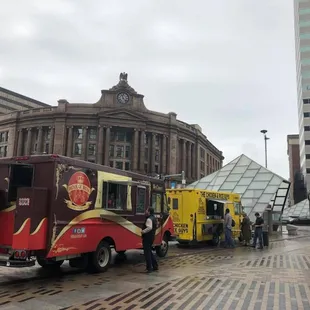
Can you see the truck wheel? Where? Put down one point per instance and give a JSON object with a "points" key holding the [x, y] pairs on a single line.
{"points": [[162, 250], [48, 263], [100, 259]]}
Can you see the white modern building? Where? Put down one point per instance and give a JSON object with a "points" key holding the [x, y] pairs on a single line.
{"points": [[302, 46]]}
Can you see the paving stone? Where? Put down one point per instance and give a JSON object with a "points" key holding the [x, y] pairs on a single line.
{"points": [[276, 278]]}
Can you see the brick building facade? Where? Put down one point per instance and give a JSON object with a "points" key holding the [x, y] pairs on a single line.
{"points": [[118, 130]]}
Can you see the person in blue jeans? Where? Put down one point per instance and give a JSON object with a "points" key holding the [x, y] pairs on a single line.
{"points": [[258, 232], [228, 229]]}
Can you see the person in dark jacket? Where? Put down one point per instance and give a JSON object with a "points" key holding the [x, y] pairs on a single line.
{"points": [[258, 232], [148, 236], [246, 229]]}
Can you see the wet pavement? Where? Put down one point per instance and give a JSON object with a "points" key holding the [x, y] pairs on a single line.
{"points": [[202, 278]]}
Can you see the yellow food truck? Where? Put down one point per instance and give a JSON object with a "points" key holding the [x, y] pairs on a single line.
{"points": [[198, 215]]}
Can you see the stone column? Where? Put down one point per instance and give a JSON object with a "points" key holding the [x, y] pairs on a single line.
{"points": [[12, 141], [84, 143], [107, 145], [142, 151], [60, 136], [69, 141], [197, 153], [135, 152], [20, 143], [194, 162], [164, 155], [153, 148], [184, 156], [189, 160], [40, 140], [100, 145], [28, 144], [51, 142]]}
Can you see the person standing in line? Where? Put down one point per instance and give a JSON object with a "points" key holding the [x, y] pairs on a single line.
{"points": [[228, 229], [258, 232], [148, 237], [246, 229]]}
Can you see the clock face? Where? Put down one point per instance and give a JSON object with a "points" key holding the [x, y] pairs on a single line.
{"points": [[122, 98]]}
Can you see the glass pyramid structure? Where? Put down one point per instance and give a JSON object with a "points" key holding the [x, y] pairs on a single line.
{"points": [[257, 186], [300, 209]]}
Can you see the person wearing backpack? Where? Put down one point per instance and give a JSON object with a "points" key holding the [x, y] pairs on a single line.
{"points": [[229, 223]]}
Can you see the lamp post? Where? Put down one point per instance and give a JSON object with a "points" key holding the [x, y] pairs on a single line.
{"points": [[264, 131]]}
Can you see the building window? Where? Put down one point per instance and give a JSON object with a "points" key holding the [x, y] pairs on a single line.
{"points": [[120, 136], [47, 134], [114, 196], [4, 136], [308, 170], [78, 133], [127, 151], [202, 154], [77, 148], [119, 151], [92, 133], [111, 164], [156, 169], [307, 114], [157, 155], [307, 142], [141, 199], [307, 156], [307, 128], [146, 139], [306, 101], [3, 151], [146, 154], [91, 149], [111, 151], [202, 166], [157, 140], [119, 165], [127, 165], [46, 148], [145, 168]]}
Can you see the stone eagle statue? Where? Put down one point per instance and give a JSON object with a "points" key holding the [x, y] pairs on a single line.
{"points": [[123, 76]]}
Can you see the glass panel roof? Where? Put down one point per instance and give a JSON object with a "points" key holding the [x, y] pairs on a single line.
{"points": [[301, 209], [257, 186]]}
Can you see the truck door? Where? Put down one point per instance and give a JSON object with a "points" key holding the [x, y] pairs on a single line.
{"points": [[31, 222], [180, 216]]}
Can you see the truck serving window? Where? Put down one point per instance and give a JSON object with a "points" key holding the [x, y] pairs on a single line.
{"points": [[114, 196], [20, 176]]}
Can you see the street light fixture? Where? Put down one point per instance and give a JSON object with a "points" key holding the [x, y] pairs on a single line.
{"points": [[264, 131]]}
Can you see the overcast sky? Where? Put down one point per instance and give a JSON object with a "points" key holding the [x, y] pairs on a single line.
{"points": [[227, 65]]}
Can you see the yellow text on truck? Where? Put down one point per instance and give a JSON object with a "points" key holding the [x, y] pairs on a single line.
{"points": [[198, 215]]}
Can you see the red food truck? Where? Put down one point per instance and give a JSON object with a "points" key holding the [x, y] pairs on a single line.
{"points": [[55, 208]]}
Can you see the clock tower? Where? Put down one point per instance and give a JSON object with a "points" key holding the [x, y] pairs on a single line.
{"points": [[122, 95]]}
